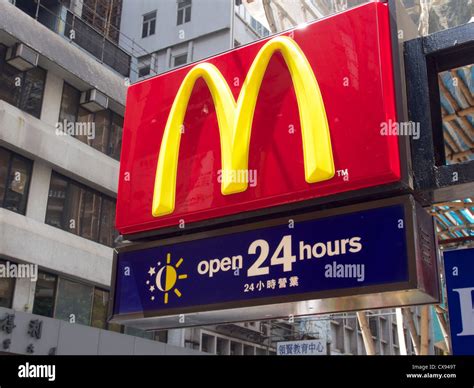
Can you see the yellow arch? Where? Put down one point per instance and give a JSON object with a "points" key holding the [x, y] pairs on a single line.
{"points": [[235, 122]]}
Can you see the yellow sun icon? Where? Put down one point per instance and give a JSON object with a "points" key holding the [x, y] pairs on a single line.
{"points": [[166, 278]]}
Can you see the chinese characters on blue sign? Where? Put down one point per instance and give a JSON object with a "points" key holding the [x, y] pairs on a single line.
{"points": [[302, 348], [459, 270], [347, 251]]}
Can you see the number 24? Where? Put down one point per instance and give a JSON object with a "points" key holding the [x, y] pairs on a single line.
{"points": [[287, 259]]}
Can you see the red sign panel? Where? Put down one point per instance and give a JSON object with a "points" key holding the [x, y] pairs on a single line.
{"points": [[350, 56]]}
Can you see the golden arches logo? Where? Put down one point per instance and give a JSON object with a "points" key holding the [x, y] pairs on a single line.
{"points": [[235, 122]]}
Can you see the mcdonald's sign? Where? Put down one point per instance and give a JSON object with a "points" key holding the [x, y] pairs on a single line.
{"points": [[290, 119]]}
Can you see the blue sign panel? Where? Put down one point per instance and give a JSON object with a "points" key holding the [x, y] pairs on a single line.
{"points": [[262, 266], [459, 269]]}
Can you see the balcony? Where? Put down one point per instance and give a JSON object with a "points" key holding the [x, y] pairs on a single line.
{"points": [[55, 15]]}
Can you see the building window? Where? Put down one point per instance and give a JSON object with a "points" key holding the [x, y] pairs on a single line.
{"points": [[15, 176], [107, 222], [258, 27], [115, 136], [101, 130], [339, 335], [65, 299], [149, 24], [249, 350], [138, 332], [222, 346], [373, 325], [99, 308], [90, 214], [74, 302], [80, 210], [7, 286], [69, 109], [161, 336], [208, 343], [179, 60], [144, 66], [184, 11], [395, 335], [45, 294], [236, 348], [21, 89]]}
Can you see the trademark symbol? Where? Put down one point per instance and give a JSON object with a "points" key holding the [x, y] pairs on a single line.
{"points": [[342, 173]]}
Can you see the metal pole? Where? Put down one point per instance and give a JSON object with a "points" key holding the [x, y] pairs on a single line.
{"points": [[444, 327], [37, 9], [415, 338], [400, 332], [103, 49], [269, 15], [232, 21], [424, 330], [366, 334]]}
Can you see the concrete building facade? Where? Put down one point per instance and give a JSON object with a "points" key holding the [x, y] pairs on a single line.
{"points": [[59, 163], [174, 33], [58, 183]]}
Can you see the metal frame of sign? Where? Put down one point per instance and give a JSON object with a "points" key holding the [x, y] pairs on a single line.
{"points": [[399, 20], [421, 252], [425, 57], [460, 345]]}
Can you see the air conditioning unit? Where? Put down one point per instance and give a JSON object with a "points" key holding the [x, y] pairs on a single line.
{"points": [[94, 101], [22, 57]]}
